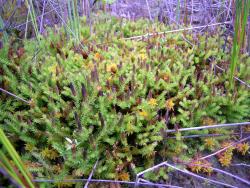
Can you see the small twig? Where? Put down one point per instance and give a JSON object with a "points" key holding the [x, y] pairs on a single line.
{"points": [[208, 135], [143, 180], [208, 127], [223, 172], [91, 174], [184, 38], [147, 170], [13, 95], [174, 31], [41, 22], [150, 169], [236, 78], [241, 164]]}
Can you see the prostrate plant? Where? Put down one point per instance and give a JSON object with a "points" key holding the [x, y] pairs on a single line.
{"points": [[114, 102]]}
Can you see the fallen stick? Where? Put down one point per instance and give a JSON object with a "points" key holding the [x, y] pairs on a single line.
{"points": [[209, 127], [13, 95], [175, 31], [236, 78], [207, 135], [241, 164]]}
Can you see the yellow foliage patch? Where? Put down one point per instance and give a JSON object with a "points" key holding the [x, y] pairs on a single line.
{"points": [[152, 102], [112, 68], [49, 153], [170, 104], [242, 148], [124, 176], [143, 114], [210, 143]]}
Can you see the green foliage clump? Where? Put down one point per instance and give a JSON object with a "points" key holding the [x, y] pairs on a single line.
{"points": [[113, 99]]}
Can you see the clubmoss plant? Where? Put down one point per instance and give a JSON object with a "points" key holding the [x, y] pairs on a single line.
{"points": [[113, 101]]}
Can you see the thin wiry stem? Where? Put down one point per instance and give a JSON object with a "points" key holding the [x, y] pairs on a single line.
{"points": [[143, 180], [207, 135], [150, 169], [13, 95], [236, 78], [175, 31], [241, 164], [223, 172], [41, 22], [209, 127], [91, 174]]}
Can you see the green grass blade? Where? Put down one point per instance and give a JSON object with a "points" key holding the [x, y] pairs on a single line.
{"points": [[5, 35], [16, 159], [32, 14], [74, 19], [242, 11], [6, 165]]}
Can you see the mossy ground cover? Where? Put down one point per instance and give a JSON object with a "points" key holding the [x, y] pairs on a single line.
{"points": [[113, 99]]}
